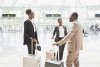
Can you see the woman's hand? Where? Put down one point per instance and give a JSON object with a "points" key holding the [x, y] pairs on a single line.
{"points": [[33, 39], [52, 37], [37, 42]]}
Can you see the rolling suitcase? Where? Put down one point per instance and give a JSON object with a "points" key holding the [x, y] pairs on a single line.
{"points": [[32, 60], [54, 62]]}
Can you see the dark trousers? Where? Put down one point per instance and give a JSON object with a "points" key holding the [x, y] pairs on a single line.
{"points": [[30, 51], [61, 50]]}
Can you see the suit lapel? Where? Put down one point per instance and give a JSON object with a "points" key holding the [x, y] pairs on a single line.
{"points": [[31, 24]]}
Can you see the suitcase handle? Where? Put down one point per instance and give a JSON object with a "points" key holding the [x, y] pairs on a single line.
{"points": [[32, 47], [53, 52], [57, 53]]}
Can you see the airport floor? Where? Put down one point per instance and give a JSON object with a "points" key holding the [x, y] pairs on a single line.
{"points": [[12, 49]]}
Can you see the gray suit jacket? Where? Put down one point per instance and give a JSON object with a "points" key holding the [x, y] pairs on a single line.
{"points": [[56, 32]]}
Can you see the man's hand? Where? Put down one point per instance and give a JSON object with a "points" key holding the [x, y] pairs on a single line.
{"points": [[57, 44]]}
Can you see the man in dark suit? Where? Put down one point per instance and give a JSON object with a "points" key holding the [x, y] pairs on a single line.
{"points": [[30, 32], [60, 32]]}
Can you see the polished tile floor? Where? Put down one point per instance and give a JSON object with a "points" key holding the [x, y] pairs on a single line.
{"points": [[12, 49]]}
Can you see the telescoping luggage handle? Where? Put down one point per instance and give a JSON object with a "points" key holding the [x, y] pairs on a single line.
{"points": [[57, 53], [53, 53], [32, 47]]}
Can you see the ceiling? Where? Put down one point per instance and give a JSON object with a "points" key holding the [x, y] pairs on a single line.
{"points": [[32, 3]]}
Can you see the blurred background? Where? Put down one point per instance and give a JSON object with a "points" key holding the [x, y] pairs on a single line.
{"points": [[12, 17]]}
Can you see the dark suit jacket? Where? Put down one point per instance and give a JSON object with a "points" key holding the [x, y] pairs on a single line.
{"points": [[29, 32], [56, 31]]}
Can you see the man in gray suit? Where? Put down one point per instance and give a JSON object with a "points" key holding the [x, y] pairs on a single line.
{"points": [[75, 41]]}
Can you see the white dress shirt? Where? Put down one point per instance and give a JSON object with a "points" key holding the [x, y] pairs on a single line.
{"points": [[61, 31]]}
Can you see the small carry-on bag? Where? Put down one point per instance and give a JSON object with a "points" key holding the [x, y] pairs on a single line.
{"points": [[49, 55], [32, 60], [54, 62]]}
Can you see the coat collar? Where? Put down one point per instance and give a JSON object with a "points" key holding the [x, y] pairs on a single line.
{"points": [[30, 20], [62, 26], [75, 21]]}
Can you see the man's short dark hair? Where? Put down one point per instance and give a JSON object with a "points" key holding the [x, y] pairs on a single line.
{"points": [[59, 19], [28, 11], [75, 14]]}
